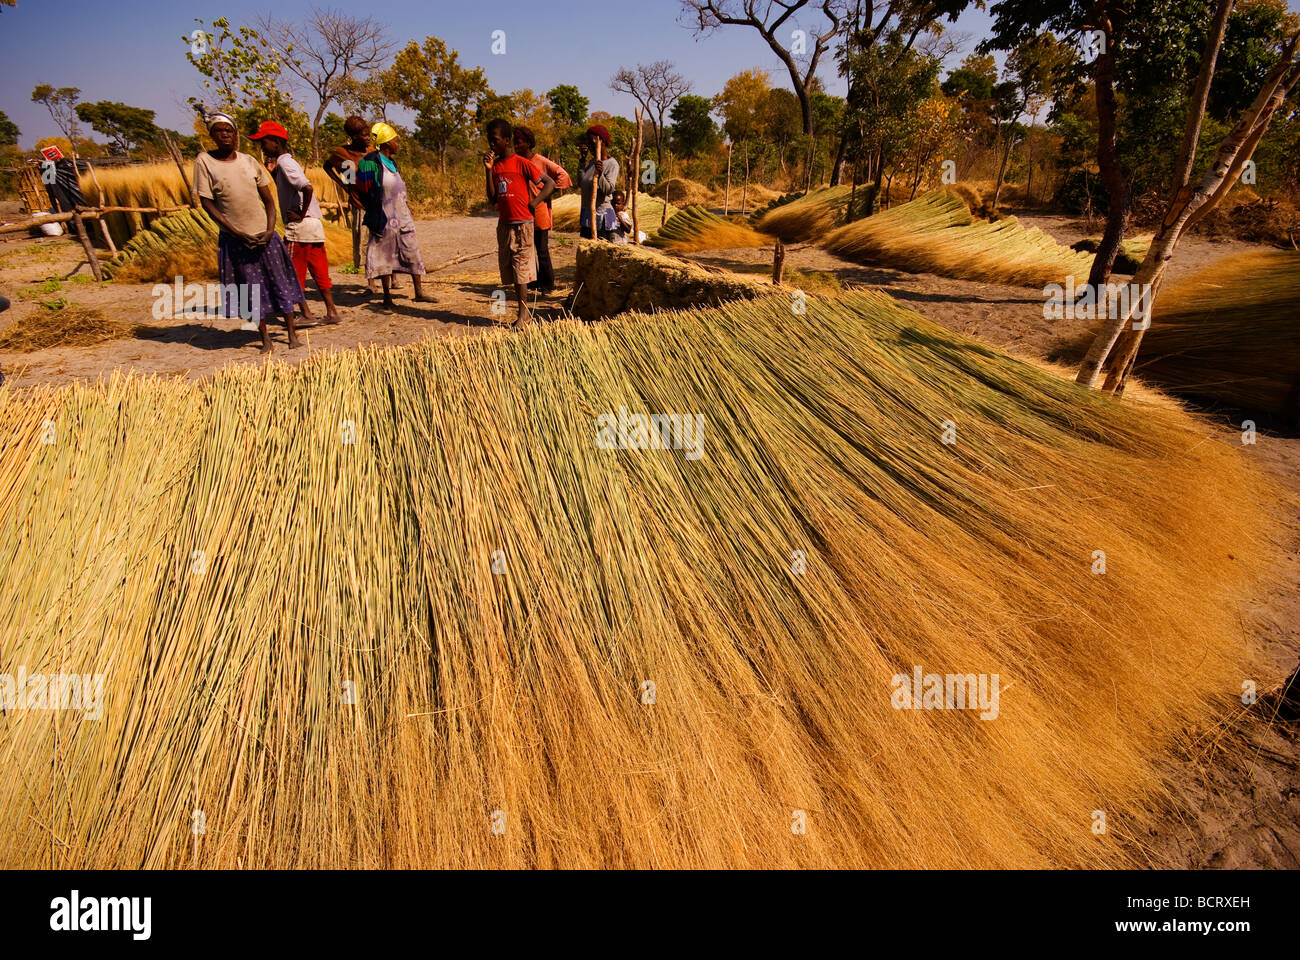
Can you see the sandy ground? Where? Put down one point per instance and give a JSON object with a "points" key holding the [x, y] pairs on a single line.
{"points": [[1223, 812]]}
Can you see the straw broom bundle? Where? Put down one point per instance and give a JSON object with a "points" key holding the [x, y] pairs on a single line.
{"points": [[935, 234], [695, 228], [393, 645], [1229, 335]]}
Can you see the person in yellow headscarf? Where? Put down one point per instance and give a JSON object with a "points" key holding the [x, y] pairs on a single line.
{"points": [[393, 247]]}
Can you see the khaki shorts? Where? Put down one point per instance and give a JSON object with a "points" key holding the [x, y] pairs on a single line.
{"points": [[516, 255]]}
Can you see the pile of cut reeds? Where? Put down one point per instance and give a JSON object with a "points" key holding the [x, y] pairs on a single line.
{"points": [[424, 607], [1230, 334], [695, 228], [64, 325], [807, 217], [935, 233]]}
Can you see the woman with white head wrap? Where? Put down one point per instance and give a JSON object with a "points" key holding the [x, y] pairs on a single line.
{"points": [[253, 264]]}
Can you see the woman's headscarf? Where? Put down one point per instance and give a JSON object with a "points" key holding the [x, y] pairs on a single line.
{"points": [[212, 119]]}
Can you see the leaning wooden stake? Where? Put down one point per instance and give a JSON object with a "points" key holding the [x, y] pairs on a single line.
{"points": [[86, 246], [180, 165], [597, 163], [636, 171], [103, 227], [778, 262]]}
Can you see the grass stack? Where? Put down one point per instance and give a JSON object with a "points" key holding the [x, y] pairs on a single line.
{"points": [[613, 278], [1230, 335], [806, 217], [935, 233], [695, 228], [400, 608]]}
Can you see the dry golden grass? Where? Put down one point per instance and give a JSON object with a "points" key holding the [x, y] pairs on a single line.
{"points": [[686, 193], [813, 215], [1231, 334], [72, 325], [611, 278], [935, 233], [697, 229], [234, 568]]}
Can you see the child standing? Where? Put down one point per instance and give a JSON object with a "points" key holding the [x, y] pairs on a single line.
{"points": [[526, 147], [509, 177]]}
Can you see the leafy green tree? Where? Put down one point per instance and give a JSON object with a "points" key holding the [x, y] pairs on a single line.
{"points": [[9, 131], [693, 130], [443, 93], [567, 104], [126, 127], [243, 74], [62, 103]]}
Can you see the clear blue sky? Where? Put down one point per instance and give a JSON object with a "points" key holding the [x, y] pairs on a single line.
{"points": [[131, 50]]}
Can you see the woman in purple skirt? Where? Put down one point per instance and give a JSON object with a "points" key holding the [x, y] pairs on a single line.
{"points": [[253, 264]]}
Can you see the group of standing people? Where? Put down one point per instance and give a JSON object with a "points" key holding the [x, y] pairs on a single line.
{"points": [[236, 191]]}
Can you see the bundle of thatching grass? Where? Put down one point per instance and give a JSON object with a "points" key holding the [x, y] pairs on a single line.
{"points": [[695, 228], [1231, 335], [935, 233], [683, 192], [404, 608], [63, 325], [807, 217], [614, 278], [650, 211], [184, 244]]}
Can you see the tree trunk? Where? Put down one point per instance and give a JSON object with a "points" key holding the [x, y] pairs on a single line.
{"points": [[837, 168], [1119, 188], [744, 191], [726, 200], [1190, 204], [1002, 167], [1117, 214]]}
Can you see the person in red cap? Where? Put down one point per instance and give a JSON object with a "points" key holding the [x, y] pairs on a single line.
{"points": [[300, 210], [601, 175]]}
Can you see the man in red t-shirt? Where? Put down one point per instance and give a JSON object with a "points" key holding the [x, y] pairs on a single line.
{"points": [[508, 178]]}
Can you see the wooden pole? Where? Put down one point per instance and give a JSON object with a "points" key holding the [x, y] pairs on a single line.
{"points": [[103, 227], [726, 200], [180, 165], [86, 246], [636, 177], [596, 160], [778, 262]]}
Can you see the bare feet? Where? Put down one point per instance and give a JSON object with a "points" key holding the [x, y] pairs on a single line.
{"points": [[294, 341], [331, 318]]}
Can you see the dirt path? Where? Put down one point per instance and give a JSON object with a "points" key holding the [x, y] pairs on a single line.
{"points": [[1223, 812], [200, 345]]}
